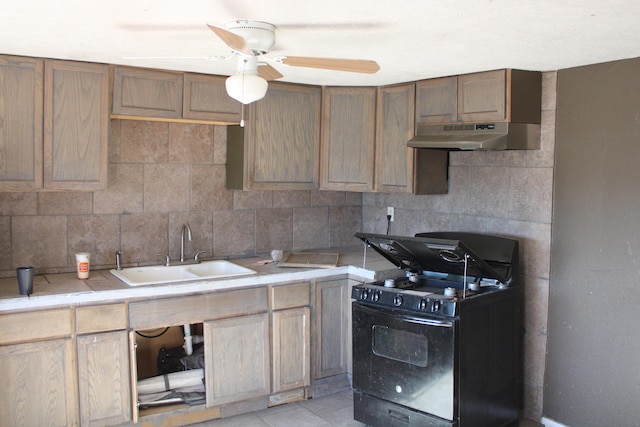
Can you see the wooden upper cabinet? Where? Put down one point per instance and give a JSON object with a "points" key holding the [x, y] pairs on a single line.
{"points": [[482, 96], [493, 96], [76, 125], [348, 139], [21, 88], [279, 147], [437, 101], [394, 160], [205, 98], [147, 93], [176, 96]]}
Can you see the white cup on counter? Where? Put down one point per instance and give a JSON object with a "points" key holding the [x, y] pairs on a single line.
{"points": [[276, 255], [82, 263]]}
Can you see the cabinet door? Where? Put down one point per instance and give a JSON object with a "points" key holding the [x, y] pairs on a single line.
{"points": [[237, 358], [76, 124], [436, 101], [332, 328], [348, 138], [290, 349], [283, 139], [147, 93], [103, 379], [39, 384], [21, 84], [350, 284], [482, 96], [205, 98], [394, 160]]}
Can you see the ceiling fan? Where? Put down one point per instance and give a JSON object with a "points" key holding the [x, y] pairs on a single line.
{"points": [[251, 40]]}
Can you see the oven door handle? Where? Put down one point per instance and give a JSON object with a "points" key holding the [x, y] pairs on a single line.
{"points": [[429, 321]]}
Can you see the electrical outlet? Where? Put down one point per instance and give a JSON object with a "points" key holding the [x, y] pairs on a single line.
{"points": [[391, 213]]}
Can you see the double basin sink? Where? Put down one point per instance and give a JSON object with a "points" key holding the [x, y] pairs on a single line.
{"points": [[158, 274]]}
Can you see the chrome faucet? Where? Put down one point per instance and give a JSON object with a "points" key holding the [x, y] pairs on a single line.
{"points": [[118, 259], [187, 229]]}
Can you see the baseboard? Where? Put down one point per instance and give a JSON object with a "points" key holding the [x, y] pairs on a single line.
{"points": [[546, 422]]}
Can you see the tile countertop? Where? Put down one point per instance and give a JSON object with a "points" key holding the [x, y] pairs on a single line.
{"points": [[64, 289]]}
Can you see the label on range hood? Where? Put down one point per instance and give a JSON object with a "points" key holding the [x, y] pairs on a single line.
{"points": [[477, 136]]}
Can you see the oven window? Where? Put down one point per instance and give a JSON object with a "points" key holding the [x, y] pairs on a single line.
{"points": [[400, 345]]}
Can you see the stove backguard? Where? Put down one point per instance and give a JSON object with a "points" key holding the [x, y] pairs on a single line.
{"points": [[450, 253]]}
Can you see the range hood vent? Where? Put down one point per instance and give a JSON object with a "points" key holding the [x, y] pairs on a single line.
{"points": [[478, 136]]}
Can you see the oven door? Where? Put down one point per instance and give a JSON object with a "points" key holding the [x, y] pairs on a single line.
{"points": [[404, 358]]}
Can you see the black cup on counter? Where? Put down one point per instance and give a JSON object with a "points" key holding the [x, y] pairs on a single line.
{"points": [[25, 280]]}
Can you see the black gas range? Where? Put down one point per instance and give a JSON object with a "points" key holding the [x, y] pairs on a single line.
{"points": [[439, 345]]}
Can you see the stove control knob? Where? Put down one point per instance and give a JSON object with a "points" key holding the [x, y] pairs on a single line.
{"points": [[397, 300], [424, 304], [436, 306], [375, 296], [364, 294]]}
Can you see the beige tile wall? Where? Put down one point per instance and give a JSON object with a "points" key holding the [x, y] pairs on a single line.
{"points": [[506, 193], [162, 175]]}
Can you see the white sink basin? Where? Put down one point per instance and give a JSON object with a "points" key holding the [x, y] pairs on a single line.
{"points": [[219, 268], [157, 274]]}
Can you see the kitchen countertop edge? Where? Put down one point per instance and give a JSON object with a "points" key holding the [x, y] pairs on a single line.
{"points": [[374, 268]]}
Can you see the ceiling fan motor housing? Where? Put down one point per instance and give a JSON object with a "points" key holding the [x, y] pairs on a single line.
{"points": [[260, 36]]}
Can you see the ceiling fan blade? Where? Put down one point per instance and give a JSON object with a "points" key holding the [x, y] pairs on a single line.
{"points": [[232, 40], [268, 73], [351, 65], [206, 58]]}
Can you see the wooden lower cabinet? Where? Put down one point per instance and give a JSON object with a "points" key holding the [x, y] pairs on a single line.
{"points": [[331, 328], [237, 358], [291, 349], [39, 384], [348, 310], [103, 378], [83, 370]]}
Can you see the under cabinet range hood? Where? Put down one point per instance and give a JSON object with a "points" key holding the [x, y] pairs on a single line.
{"points": [[478, 136]]}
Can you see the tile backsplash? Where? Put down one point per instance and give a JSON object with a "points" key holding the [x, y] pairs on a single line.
{"points": [[162, 175]]}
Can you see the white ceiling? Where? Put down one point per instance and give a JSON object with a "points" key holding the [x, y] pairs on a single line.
{"points": [[410, 39]]}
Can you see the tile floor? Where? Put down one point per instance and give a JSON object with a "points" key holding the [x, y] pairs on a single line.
{"points": [[332, 410]]}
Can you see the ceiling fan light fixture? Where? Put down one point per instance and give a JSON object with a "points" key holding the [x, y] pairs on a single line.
{"points": [[246, 88]]}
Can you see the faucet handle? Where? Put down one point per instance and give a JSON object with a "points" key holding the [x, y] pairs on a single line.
{"points": [[167, 259], [198, 254]]}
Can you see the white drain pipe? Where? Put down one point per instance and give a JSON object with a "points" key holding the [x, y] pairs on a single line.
{"points": [[189, 339]]}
